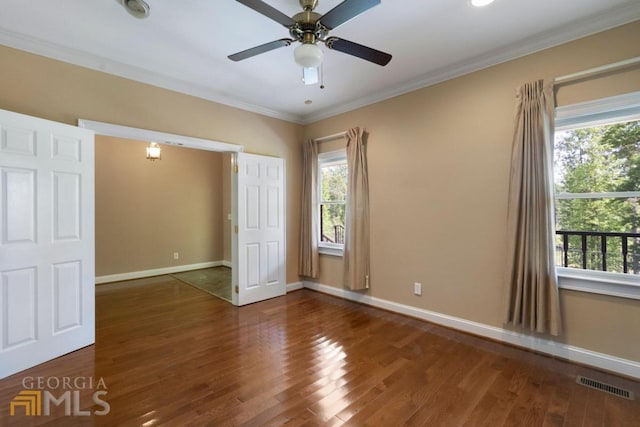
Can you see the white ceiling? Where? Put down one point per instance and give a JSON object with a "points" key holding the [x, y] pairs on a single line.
{"points": [[183, 45]]}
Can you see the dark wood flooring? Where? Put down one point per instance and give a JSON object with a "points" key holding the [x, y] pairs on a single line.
{"points": [[171, 355]]}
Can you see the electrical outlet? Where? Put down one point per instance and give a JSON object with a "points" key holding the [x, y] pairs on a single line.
{"points": [[417, 288], [176, 255]]}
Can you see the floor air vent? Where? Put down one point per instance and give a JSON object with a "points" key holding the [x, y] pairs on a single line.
{"points": [[607, 388]]}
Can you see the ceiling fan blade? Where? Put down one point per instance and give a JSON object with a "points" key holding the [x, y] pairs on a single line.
{"points": [[260, 49], [355, 49], [268, 11], [345, 11]]}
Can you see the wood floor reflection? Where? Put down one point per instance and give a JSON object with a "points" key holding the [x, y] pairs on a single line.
{"points": [[170, 354], [213, 280]]}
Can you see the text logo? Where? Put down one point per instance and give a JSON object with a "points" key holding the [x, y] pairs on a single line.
{"points": [[30, 400], [42, 394]]}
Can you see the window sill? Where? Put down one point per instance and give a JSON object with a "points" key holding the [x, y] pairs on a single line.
{"points": [[598, 282], [324, 250]]}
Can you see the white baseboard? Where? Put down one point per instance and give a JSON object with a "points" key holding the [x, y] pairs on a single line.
{"points": [[158, 271], [294, 286], [603, 361]]}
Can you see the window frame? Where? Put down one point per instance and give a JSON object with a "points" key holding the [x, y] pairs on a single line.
{"points": [[602, 111], [340, 155]]}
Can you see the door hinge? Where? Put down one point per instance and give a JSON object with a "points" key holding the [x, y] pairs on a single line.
{"points": [[235, 228], [237, 289], [235, 168]]}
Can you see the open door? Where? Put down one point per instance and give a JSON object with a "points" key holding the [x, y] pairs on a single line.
{"points": [[259, 271], [47, 275]]}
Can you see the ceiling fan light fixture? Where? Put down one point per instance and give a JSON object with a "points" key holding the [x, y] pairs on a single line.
{"points": [[310, 76], [308, 55]]}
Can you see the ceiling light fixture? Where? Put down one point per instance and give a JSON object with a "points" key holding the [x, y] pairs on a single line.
{"points": [[480, 3], [308, 55], [154, 152], [138, 8]]}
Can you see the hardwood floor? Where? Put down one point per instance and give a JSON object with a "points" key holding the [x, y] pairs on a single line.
{"points": [[170, 354]]}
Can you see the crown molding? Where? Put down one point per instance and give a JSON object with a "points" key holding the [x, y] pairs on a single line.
{"points": [[121, 69], [583, 28]]}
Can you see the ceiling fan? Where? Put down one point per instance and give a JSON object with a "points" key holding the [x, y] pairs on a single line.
{"points": [[309, 28]]}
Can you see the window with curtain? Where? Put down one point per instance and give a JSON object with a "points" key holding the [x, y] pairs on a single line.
{"points": [[332, 192], [597, 190]]}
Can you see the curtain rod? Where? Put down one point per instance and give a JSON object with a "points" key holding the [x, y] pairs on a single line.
{"points": [[331, 137], [569, 78]]}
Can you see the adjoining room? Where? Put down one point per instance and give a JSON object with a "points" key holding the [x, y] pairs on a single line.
{"points": [[164, 216]]}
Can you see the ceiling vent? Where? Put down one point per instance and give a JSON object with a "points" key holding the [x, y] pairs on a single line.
{"points": [[138, 8]]}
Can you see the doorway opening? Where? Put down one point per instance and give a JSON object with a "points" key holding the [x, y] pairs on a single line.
{"points": [[169, 216]]}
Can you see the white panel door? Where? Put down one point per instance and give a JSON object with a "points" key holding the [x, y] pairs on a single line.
{"points": [[261, 269], [47, 275]]}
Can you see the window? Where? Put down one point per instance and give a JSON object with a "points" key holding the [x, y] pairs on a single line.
{"points": [[332, 192], [597, 187]]}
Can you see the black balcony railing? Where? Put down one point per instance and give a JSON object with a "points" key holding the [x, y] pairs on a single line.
{"points": [[338, 231], [595, 250], [338, 235]]}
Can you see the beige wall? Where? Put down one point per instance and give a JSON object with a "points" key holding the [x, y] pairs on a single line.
{"points": [[439, 174], [54, 90], [146, 211]]}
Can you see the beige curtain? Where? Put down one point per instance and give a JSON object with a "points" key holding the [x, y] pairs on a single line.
{"points": [[308, 255], [533, 300], [356, 239]]}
